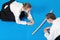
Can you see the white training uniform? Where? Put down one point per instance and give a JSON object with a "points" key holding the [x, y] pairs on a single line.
{"points": [[54, 30], [16, 8]]}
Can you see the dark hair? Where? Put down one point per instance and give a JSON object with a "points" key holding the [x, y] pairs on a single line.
{"points": [[51, 15], [28, 5]]}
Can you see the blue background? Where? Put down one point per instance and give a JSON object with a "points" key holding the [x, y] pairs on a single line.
{"points": [[13, 31]]}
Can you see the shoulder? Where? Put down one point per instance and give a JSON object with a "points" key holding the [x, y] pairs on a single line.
{"points": [[17, 4], [57, 21]]}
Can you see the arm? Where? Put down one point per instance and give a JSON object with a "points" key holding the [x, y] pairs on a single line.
{"points": [[51, 35], [18, 21], [30, 18], [47, 29]]}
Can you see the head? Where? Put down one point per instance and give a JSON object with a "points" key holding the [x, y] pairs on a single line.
{"points": [[50, 17], [27, 6]]}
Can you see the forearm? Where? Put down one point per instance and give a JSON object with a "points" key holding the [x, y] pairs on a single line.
{"points": [[31, 19], [50, 35], [21, 22], [46, 34], [18, 21]]}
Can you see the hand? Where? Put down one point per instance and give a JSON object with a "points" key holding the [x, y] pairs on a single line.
{"points": [[45, 30], [30, 23]]}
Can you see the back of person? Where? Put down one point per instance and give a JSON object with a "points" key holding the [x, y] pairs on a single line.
{"points": [[16, 7], [56, 27]]}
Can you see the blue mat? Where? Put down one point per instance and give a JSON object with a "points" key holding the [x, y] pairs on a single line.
{"points": [[13, 31]]}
